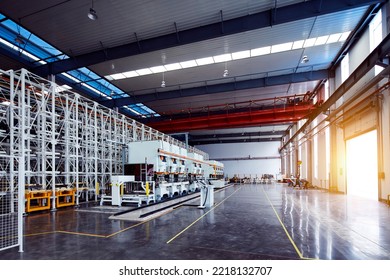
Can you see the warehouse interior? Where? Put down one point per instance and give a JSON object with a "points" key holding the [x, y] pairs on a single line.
{"points": [[238, 130]]}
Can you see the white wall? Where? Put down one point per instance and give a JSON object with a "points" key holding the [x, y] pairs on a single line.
{"points": [[385, 164], [249, 168]]}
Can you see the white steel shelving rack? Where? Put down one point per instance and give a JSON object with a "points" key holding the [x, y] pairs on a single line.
{"points": [[52, 138]]}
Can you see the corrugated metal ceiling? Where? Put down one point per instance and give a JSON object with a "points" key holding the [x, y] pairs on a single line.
{"points": [[65, 25], [119, 20]]}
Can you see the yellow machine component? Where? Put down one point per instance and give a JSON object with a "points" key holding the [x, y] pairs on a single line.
{"points": [[65, 197], [147, 189], [37, 200], [122, 189], [97, 186]]}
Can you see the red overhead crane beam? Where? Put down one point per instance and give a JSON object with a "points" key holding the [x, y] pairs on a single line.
{"points": [[252, 117]]}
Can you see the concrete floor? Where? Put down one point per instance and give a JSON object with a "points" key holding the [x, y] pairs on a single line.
{"points": [[247, 222]]}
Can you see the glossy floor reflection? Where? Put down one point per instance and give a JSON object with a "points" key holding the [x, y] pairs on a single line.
{"points": [[247, 222]]}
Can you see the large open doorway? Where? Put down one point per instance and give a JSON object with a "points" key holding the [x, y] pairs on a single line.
{"points": [[362, 165]]}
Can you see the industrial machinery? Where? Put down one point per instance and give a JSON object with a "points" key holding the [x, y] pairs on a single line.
{"points": [[164, 164], [156, 170], [206, 194], [124, 188], [214, 173]]}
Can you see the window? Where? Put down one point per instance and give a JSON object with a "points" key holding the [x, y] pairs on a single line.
{"points": [[376, 36], [315, 149], [345, 68]]}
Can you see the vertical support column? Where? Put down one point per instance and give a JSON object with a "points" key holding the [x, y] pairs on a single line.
{"points": [[96, 151], [77, 147], [12, 142], [21, 168], [67, 140], [53, 144], [28, 144]]}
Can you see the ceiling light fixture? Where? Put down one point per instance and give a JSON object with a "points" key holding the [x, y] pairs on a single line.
{"points": [[92, 15], [305, 59], [163, 81], [226, 71]]}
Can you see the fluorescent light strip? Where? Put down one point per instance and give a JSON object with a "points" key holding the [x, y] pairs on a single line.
{"points": [[344, 36], [144, 71], [93, 89], [281, 47], [205, 61], [298, 44], [241, 55], [71, 77], [188, 64], [132, 110], [333, 38], [321, 40], [310, 42], [156, 69], [14, 47], [173, 66], [261, 51], [222, 58]]}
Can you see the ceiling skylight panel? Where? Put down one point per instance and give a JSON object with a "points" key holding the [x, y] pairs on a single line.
{"points": [[281, 47], [144, 71], [222, 57], [188, 64], [321, 40], [261, 51], [205, 61], [172, 66], [241, 55]]}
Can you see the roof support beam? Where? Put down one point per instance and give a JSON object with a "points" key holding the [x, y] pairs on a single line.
{"points": [[225, 141], [250, 22], [290, 113], [218, 88], [236, 135]]}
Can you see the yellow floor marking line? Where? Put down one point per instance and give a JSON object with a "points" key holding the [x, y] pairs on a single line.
{"points": [[130, 227], [285, 230], [39, 233], [81, 233], [201, 217]]}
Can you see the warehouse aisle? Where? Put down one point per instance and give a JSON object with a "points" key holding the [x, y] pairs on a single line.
{"points": [[247, 222]]}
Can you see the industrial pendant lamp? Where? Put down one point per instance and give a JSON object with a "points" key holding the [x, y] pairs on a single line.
{"points": [[163, 81], [226, 71], [92, 15]]}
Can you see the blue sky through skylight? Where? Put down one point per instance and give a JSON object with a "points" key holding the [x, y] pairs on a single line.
{"points": [[40, 52]]}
